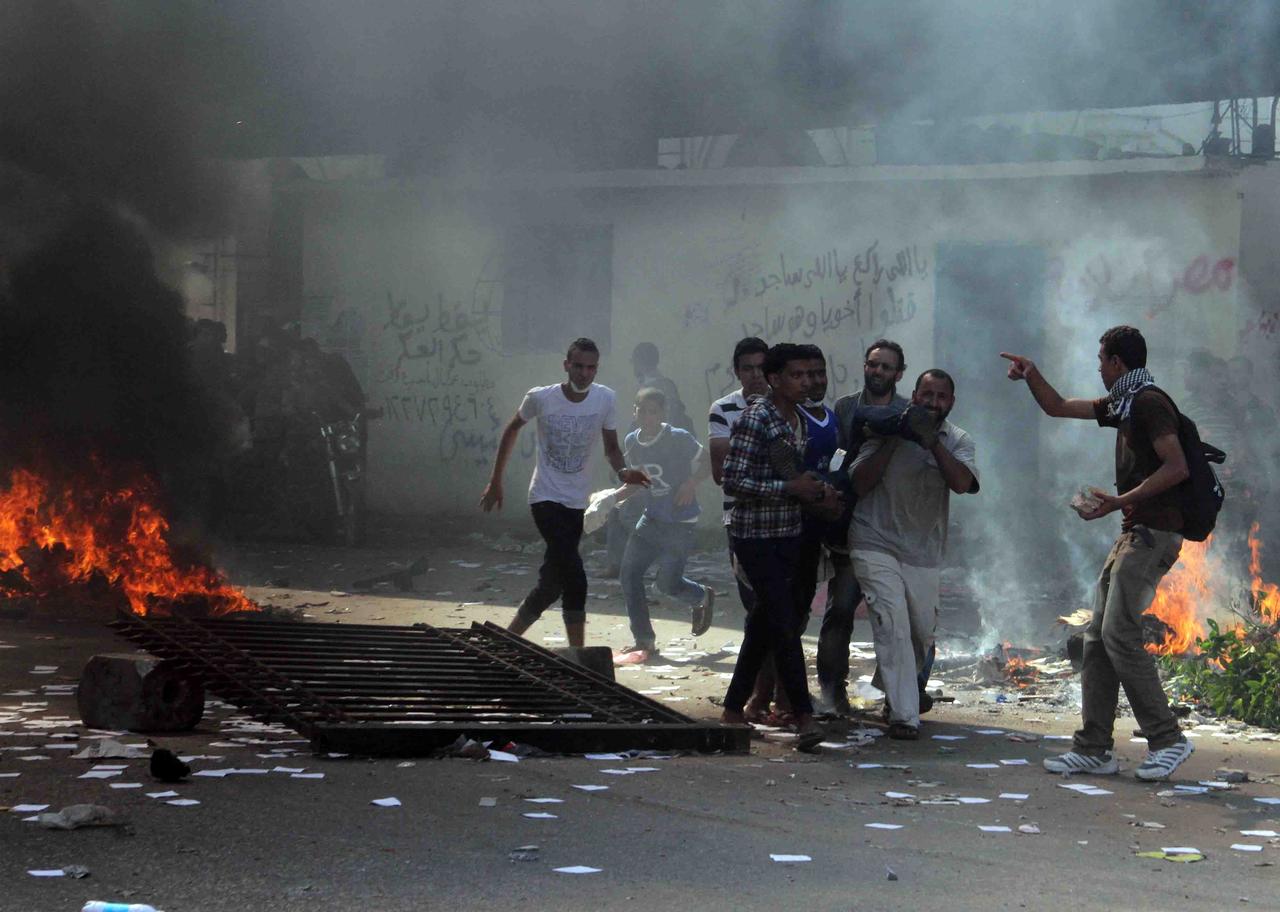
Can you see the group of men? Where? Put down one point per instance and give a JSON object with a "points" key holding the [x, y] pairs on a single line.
{"points": [[865, 485]]}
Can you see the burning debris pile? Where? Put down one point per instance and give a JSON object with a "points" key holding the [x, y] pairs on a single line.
{"points": [[103, 542]]}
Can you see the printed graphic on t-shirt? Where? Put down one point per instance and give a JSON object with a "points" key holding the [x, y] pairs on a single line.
{"points": [[566, 440]]}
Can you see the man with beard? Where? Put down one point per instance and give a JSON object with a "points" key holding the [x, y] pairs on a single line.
{"points": [[760, 472], [897, 536], [570, 415], [882, 368], [1150, 464]]}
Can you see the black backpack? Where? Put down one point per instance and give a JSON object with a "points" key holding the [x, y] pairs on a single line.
{"points": [[1201, 495]]}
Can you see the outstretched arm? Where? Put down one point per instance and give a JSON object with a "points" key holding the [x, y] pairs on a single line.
{"points": [[492, 496], [1048, 398]]}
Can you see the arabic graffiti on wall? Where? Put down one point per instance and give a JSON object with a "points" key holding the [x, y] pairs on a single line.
{"points": [[837, 301]]}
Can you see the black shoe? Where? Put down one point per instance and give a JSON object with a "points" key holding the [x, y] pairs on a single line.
{"points": [[901, 731], [704, 611], [926, 702], [919, 425]]}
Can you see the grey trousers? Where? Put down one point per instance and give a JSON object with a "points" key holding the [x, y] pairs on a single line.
{"points": [[1115, 655], [902, 601]]}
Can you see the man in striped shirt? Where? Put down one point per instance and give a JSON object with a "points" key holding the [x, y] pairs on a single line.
{"points": [[748, 367], [763, 473]]}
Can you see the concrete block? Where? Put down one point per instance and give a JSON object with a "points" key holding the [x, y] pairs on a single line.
{"points": [[597, 658], [138, 693]]}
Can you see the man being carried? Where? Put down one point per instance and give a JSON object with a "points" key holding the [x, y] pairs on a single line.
{"points": [[882, 368], [673, 460], [897, 538], [764, 527], [1149, 466], [569, 415]]}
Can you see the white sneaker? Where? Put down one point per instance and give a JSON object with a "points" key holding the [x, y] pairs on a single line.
{"points": [[1160, 764], [1072, 762]]}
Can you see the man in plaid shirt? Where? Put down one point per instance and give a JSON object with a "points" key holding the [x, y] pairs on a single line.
{"points": [[763, 473]]}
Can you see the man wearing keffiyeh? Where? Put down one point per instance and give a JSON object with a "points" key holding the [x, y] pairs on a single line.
{"points": [[1150, 465]]}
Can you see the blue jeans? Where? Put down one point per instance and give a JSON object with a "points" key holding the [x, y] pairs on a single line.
{"points": [[669, 543], [620, 525]]}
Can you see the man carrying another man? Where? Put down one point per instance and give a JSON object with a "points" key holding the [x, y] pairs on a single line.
{"points": [[897, 538]]}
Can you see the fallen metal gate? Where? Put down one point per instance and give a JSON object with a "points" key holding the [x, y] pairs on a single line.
{"points": [[406, 691]]}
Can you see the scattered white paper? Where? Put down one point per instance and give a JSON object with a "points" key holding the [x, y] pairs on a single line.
{"points": [[126, 785], [604, 756], [1015, 796], [591, 788], [1056, 737], [503, 756], [545, 800], [10, 775], [28, 808], [995, 829], [974, 800], [212, 774], [1015, 762], [617, 772], [1267, 800], [386, 802], [870, 766], [1268, 834], [182, 802], [1180, 850], [983, 766], [988, 731], [540, 815], [898, 795], [948, 737], [789, 859], [100, 774], [577, 869], [488, 802], [288, 769], [169, 794], [1084, 788], [883, 826], [306, 775], [1245, 847], [49, 872], [643, 769], [109, 766]]}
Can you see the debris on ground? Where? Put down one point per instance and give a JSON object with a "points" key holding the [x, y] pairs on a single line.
{"points": [[74, 816]]}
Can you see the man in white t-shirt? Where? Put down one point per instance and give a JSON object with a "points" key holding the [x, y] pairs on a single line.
{"points": [[569, 417]]}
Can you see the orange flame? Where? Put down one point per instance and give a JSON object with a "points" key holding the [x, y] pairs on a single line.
{"points": [[1266, 596], [1182, 589], [119, 532]]}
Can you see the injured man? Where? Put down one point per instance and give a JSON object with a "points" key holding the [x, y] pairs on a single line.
{"points": [[897, 537]]}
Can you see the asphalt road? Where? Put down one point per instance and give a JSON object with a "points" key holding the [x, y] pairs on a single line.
{"points": [[696, 833]]}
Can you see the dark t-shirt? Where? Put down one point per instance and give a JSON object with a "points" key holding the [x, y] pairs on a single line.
{"points": [[1151, 416]]}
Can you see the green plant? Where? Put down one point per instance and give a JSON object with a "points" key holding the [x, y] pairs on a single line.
{"points": [[1236, 673]]}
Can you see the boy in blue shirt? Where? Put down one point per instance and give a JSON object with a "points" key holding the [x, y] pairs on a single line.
{"points": [[672, 458]]}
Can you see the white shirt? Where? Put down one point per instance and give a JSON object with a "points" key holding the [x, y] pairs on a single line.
{"points": [[724, 414], [568, 435]]}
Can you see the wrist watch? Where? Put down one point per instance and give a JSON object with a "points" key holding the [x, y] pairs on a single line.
{"points": [[620, 471]]}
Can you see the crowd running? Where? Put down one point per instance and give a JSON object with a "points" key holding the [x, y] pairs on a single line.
{"points": [[859, 495]]}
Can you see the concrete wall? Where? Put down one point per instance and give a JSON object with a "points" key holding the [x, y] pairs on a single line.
{"points": [[410, 281]]}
